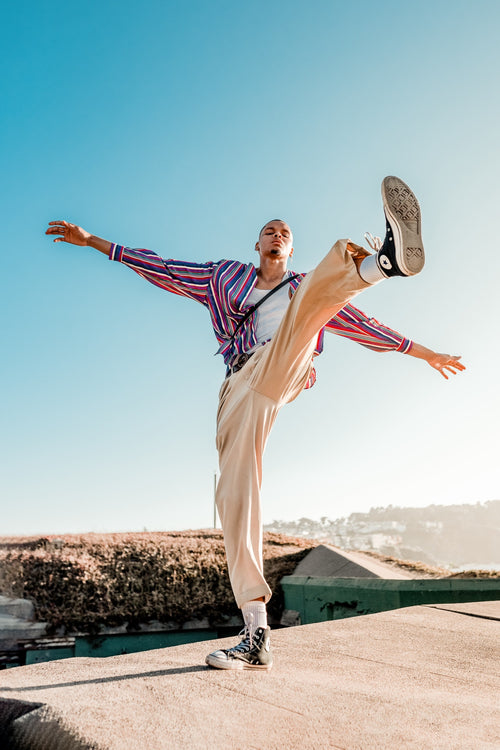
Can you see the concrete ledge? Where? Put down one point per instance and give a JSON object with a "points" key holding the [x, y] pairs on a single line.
{"points": [[22, 608], [411, 678], [329, 562], [12, 629], [487, 610]]}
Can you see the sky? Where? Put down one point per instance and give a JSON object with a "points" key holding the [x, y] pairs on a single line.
{"points": [[183, 128]]}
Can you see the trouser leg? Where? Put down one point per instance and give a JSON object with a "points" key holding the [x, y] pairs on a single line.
{"points": [[250, 400], [244, 422]]}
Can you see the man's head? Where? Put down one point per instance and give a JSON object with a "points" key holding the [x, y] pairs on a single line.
{"points": [[275, 240]]}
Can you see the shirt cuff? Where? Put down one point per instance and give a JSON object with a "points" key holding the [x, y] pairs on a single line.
{"points": [[116, 252], [405, 346]]}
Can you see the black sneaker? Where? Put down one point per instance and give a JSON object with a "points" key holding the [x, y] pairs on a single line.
{"points": [[402, 253], [254, 652]]}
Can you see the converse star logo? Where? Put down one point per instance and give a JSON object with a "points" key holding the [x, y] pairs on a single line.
{"points": [[385, 262]]}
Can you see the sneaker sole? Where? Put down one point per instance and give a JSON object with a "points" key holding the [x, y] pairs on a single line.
{"points": [[234, 664], [403, 212]]}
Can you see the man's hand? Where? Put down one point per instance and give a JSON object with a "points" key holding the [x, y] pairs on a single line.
{"points": [[449, 362], [441, 362], [69, 233], [75, 235]]}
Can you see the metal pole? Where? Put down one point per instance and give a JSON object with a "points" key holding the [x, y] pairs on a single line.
{"points": [[215, 507]]}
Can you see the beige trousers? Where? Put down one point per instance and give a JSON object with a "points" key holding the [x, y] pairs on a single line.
{"points": [[249, 402]]}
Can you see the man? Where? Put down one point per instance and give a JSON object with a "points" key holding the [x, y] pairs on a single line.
{"points": [[269, 358]]}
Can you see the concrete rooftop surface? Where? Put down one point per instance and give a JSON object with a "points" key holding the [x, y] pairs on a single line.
{"points": [[422, 677]]}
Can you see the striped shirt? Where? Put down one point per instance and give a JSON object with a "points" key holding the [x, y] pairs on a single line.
{"points": [[224, 288]]}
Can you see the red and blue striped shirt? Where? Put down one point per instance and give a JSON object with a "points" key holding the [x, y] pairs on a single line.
{"points": [[224, 288]]}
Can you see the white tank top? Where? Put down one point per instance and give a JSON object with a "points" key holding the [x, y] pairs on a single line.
{"points": [[270, 314]]}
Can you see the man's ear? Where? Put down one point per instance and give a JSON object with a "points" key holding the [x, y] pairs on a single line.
{"points": [[257, 247], [291, 253]]}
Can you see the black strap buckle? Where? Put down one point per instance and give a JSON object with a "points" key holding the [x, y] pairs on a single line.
{"points": [[238, 363]]}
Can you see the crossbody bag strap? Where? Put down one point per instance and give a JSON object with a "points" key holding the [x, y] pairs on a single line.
{"points": [[261, 302]]}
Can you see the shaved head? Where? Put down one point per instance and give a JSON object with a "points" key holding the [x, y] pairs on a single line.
{"points": [[272, 221]]}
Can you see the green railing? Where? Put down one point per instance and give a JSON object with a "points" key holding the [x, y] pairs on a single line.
{"points": [[46, 649], [318, 599]]}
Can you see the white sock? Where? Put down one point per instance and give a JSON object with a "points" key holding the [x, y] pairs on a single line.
{"points": [[369, 270], [254, 614]]}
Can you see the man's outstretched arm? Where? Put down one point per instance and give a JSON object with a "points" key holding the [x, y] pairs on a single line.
{"points": [[184, 278], [357, 326], [75, 235], [441, 362]]}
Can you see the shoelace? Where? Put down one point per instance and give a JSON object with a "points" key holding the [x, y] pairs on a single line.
{"points": [[374, 242], [247, 634]]}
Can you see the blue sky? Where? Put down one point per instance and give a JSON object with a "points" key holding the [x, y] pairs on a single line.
{"points": [[183, 128]]}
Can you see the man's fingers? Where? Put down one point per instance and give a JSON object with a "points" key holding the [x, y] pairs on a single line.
{"points": [[59, 223], [455, 363], [450, 363], [55, 228], [59, 227], [453, 368], [450, 366]]}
